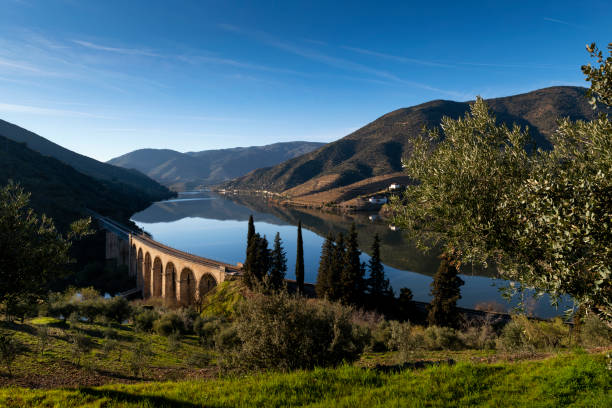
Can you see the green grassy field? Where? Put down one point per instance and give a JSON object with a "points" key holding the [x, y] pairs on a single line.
{"points": [[575, 379]]}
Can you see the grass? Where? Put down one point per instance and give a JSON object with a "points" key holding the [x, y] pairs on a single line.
{"points": [[574, 379], [106, 361], [223, 301]]}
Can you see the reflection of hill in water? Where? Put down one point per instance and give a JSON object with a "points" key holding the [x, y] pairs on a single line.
{"points": [[202, 205], [396, 251]]}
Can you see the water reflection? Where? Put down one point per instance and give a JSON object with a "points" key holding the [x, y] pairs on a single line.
{"points": [[215, 226]]}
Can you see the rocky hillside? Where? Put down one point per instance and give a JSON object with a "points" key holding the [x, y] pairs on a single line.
{"points": [[377, 148], [187, 171]]}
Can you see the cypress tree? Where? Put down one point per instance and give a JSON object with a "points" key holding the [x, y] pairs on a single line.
{"points": [[352, 274], [250, 235], [264, 259], [249, 274], [299, 261], [335, 271], [445, 290], [323, 286], [378, 285], [278, 267]]}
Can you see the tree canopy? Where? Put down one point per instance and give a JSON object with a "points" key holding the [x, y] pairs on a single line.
{"points": [[544, 217]]}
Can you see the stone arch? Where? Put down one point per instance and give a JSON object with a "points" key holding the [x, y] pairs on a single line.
{"points": [[146, 278], [139, 268], [157, 277], [170, 284], [187, 287], [133, 264], [207, 283]]}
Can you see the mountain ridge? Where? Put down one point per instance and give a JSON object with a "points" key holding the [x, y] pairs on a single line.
{"points": [[191, 170], [378, 147]]}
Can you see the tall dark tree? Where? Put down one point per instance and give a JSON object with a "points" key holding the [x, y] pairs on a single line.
{"points": [[323, 286], [299, 260], [251, 231], [406, 308], [336, 290], [445, 289], [378, 285], [278, 266], [250, 235], [353, 285], [258, 261]]}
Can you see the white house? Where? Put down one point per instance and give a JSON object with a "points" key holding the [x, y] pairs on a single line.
{"points": [[378, 200], [395, 186]]}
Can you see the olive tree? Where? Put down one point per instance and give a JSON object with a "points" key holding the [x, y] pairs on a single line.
{"points": [[32, 251], [545, 217]]}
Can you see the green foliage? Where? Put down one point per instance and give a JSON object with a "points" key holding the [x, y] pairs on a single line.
{"points": [[352, 275], [445, 289], [442, 338], [81, 344], [299, 260], [324, 283], [32, 251], [257, 264], [594, 332], [287, 332], [528, 335], [144, 320], [379, 290], [223, 301], [600, 77], [10, 349], [169, 324], [140, 358], [207, 329], [278, 264]]}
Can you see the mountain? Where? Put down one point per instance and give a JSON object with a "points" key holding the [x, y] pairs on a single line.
{"points": [[60, 191], [377, 148], [131, 182], [187, 171]]}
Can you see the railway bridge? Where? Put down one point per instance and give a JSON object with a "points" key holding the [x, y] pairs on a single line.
{"points": [[177, 277]]}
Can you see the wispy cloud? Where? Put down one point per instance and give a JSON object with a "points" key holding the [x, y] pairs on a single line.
{"points": [[326, 59], [36, 110], [125, 51], [557, 21], [397, 57]]}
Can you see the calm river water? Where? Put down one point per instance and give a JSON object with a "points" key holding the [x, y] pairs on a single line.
{"points": [[215, 226]]}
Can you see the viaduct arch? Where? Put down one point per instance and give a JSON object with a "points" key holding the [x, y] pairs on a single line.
{"points": [[177, 277]]}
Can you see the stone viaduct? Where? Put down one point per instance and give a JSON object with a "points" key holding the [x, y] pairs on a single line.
{"points": [[177, 277]]}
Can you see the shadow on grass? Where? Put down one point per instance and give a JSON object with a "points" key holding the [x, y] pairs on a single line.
{"points": [[412, 366], [141, 400]]}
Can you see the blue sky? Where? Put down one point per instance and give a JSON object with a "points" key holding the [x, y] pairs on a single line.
{"points": [[107, 77]]}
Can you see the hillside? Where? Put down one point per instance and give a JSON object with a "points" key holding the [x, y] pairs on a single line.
{"points": [[131, 182], [62, 192], [377, 148], [187, 171]]}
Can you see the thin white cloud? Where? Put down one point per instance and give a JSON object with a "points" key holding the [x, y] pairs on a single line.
{"points": [[557, 21], [125, 51], [397, 58], [36, 110]]}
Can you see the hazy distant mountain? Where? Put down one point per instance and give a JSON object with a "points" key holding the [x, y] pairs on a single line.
{"points": [[130, 181], [377, 148], [186, 171]]}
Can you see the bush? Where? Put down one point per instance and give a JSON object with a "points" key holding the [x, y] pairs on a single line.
{"points": [[189, 317], [380, 337], [140, 358], [441, 338], [199, 360], [528, 335], [594, 332], [206, 329], [287, 332], [144, 320], [481, 337], [81, 345], [117, 309], [10, 349], [227, 340], [168, 324]]}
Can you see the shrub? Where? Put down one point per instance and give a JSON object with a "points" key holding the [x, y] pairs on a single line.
{"points": [[144, 320], [174, 341], [528, 335], [380, 337], [511, 337], [10, 349], [81, 345], [42, 333], [287, 332], [169, 323], [227, 340], [441, 338], [594, 332], [199, 360], [140, 358], [189, 316], [206, 329], [117, 309], [481, 336]]}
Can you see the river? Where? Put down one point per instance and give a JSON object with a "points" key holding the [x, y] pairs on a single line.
{"points": [[215, 226]]}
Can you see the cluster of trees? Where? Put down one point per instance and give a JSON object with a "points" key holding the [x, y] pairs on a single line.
{"points": [[543, 217], [269, 267], [342, 275]]}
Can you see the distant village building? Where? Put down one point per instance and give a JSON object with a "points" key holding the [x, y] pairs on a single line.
{"points": [[395, 186], [374, 217], [393, 227], [378, 200]]}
